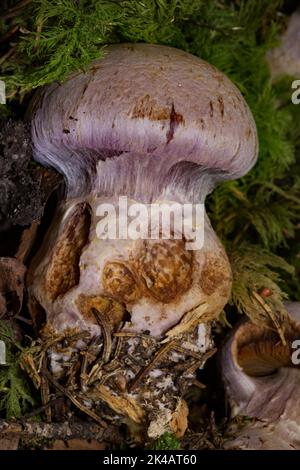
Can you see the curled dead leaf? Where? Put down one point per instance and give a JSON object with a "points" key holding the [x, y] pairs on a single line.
{"points": [[179, 422]]}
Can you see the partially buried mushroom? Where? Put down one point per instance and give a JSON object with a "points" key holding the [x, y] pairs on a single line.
{"points": [[262, 379], [158, 126]]}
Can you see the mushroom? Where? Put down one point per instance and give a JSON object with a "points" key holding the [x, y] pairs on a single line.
{"points": [[262, 379], [157, 125]]}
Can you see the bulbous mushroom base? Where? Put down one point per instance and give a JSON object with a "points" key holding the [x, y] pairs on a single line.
{"points": [[131, 318]]}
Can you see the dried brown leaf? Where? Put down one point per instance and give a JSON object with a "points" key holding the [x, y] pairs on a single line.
{"points": [[12, 274], [123, 405]]}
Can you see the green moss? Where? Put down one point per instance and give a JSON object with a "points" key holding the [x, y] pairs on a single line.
{"points": [[255, 269], [15, 394], [167, 441]]}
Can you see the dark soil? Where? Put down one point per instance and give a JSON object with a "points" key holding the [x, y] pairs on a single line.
{"points": [[21, 199]]}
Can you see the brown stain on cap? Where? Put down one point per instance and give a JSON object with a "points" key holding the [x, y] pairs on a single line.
{"points": [[175, 120], [146, 108]]}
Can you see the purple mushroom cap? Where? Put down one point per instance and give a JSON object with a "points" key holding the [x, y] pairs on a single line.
{"points": [[144, 121]]}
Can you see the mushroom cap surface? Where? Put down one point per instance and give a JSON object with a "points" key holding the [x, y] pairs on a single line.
{"points": [[144, 112]]}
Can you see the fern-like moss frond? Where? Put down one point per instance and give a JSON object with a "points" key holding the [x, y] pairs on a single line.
{"points": [[15, 394], [255, 270]]}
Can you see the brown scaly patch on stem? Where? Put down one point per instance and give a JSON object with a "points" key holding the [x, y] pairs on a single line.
{"points": [[63, 270], [214, 274], [119, 282], [166, 268]]}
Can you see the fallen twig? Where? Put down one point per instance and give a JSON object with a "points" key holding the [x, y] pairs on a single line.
{"points": [[74, 400], [67, 430], [9, 34], [202, 361], [106, 331], [14, 11], [158, 356]]}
